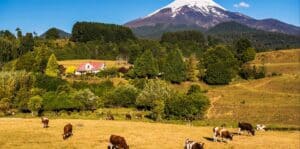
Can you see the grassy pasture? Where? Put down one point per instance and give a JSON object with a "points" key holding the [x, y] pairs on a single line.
{"points": [[28, 133], [108, 63], [270, 101], [283, 61]]}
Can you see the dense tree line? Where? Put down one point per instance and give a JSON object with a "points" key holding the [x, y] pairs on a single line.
{"points": [[89, 31]]}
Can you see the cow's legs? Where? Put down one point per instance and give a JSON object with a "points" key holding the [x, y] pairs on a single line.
{"points": [[240, 131], [215, 137]]}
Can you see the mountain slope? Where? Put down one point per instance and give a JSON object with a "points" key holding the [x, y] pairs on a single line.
{"points": [[228, 32], [205, 14]]}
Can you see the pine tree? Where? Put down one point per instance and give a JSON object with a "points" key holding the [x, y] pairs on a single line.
{"points": [[52, 67], [192, 72], [145, 65], [175, 68]]}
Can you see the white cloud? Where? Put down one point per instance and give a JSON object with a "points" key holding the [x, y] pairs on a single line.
{"points": [[241, 5]]}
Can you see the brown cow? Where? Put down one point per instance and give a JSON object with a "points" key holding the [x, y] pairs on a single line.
{"points": [[193, 145], [68, 131], [45, 122], [117, 142], [138, 116], [110, 117], [223, 133], [128, 116]]}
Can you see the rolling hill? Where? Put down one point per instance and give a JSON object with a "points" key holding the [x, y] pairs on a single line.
{"points": [[272, 100]]}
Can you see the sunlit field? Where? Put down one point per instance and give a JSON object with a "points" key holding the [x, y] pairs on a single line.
{"points": [[28, 133]]}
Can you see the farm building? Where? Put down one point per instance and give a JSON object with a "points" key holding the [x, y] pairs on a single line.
{"points": [[89, 68]]}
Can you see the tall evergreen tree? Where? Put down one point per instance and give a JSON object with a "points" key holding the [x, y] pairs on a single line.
{"points": [[27, 44], [145, 65], [240, 46], [175, 68], [52, 67], [192, 71]]}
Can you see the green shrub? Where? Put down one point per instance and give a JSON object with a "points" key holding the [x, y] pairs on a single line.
{"points": [[218, 74], [153, 90], [35, 103], [87, 98], [186, 106], [252, 73], [48, 83], [61, 101], [139, 83], [110, 72], [194, 89], [122, 96]]}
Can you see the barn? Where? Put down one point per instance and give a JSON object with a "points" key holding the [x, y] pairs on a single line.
{"points": [[89, 68]]}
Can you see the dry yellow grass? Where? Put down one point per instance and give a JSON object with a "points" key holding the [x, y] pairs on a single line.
{"points": [[270, 101], [28, 133], [283, 61], [108, 63], [273, 100]]}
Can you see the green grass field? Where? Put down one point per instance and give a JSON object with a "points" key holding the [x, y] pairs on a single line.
{"points": [[28, 133]]}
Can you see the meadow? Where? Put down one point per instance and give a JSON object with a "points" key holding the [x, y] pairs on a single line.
{"points": [[271, 100], [28, 133]]}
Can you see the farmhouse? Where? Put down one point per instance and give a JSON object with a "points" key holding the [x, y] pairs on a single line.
{"points": [[89, 68]]}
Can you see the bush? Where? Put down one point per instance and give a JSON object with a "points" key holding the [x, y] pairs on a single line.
{"points": [[48, 83], [61, 101], [187, 106], [35, 103], [87, 98], [110, 72], [218, 74], [153, 90], [194, 89], [139, 83], [5, 104], [122, 96], [252, 73]]}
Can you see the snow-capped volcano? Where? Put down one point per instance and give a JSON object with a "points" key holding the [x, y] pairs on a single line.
{"points": [[205, 14]]}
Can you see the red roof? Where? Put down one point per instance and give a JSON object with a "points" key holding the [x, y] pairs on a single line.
{"points": [[94, 66]]}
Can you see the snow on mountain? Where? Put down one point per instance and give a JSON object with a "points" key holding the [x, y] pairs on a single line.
{"points": [[202, 6], [205, 14]]}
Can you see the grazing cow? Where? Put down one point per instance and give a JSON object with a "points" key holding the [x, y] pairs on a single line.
{"points": [[260, 127], [128, 116], [117, 142], [246, 127], [110, 117], [138, 116], [68, 131], [189, 144], [45, 122], [221, 132]]}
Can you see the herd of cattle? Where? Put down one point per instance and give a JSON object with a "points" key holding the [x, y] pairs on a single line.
{"points": [[118, 142]]}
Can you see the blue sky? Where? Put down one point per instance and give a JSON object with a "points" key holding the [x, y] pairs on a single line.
{"points": [[40, 15]]}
